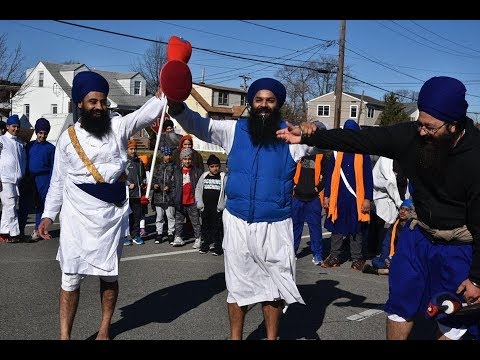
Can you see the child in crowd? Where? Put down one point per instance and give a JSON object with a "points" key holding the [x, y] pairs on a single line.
{"points": [[381, 263], [136, 182], [163, 195], [185, 180], [210, 198]]}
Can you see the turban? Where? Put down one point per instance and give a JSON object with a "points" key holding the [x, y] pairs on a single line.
{"points": [[182, 140], [13, 120], [443, 98], [166, 150], [275, 86], [132, 143], [407, 203], [185, 152], [351, 124], [87, 81], [212, 159], [167, 123], [42, 124]]}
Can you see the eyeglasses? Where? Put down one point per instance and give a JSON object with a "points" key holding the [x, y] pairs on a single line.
{"points": [[430, 130]]}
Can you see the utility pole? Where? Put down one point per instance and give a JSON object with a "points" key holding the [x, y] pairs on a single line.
{"points": [[339, 85], [360, 109], [244, 86]]}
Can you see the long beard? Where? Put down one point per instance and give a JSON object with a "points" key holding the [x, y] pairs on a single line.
{"points": [[263, 124], [432, 155], [96, 122]]}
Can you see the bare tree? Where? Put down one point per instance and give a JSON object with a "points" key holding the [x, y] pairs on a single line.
{"points": [[406, 96], [315, 79], [151, 63], [10, 61]]}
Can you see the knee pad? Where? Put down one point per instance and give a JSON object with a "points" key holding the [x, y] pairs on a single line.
{"points": [[71, 282]]}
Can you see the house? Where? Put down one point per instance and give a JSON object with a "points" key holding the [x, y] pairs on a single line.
{"points": [[411, 109], [46, 92], [323, 108], [7, 91], [216, 102]]}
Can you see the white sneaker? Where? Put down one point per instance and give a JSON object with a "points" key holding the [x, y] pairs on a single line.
{"points": [[35, 236], [178, 241], [197, 244]]}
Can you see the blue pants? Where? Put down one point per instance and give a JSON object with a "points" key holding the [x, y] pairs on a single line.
{"points": [[421, 269], [311, 212]]}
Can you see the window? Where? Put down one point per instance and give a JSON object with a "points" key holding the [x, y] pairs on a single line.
{"points": [[54, 108], [222, 98], [323, 110], [353, 111], [242, 100], [26, 110], [370, 112], [40, 79], [136, 87]]}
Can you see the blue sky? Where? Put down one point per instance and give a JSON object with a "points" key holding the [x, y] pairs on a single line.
{"points": [[388, 54]]}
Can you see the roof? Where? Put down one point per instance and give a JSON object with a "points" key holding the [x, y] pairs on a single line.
{"points": [[217, 87], [410, 108], [117, 93], [367, 99], [234, 111]]}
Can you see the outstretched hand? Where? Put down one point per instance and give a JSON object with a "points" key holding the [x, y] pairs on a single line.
{"points": [[43, 228], [294, 134]]}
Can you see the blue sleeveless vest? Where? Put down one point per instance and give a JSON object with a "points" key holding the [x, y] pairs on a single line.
{"points": [[260, 178]]}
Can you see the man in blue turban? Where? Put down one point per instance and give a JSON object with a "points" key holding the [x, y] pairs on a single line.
{"points": [[13, 162], [257, 219], [87, 86], [40, 157], [439, 251], [88, 190]]}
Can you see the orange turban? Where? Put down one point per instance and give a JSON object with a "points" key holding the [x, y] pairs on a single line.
{"points": [[132, 143]]}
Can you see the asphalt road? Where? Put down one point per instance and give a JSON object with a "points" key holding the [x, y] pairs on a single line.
{"points": [[171, 293]]}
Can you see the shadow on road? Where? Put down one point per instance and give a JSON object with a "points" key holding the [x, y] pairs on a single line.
{"points": [[165, 305], [303, 321]]}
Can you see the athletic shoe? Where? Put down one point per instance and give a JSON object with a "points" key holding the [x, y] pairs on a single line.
{"points": [[127, 242], [196, 245], [138, 240], [178, 241]]}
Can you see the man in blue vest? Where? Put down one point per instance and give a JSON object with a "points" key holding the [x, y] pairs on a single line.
{"points": [[258, 230]]}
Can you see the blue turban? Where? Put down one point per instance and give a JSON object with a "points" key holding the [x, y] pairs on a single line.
{"points": [[87, 81], [42, 124], [351, 124], [13, 120], [443, 98], [408, 203], [166, 150], [275, 86]]}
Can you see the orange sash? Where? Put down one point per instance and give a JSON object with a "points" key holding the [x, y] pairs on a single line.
{"points": [[335, 185], [318, 170], [392, 239]]}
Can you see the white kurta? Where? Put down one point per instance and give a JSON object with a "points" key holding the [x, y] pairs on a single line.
{"points": [[259, 257], [91, 230], [13, 161], [385, 191]]}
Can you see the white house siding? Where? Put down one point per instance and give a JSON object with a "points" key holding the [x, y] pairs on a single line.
{"points": [[347, 102], [205, 93], [126, 85], [40, 99]]}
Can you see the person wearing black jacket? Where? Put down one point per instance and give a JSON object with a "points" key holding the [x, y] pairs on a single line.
{"points": [[440, 250]]}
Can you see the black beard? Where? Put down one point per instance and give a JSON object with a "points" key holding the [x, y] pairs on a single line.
{"points": [[432, 156], [263, 124], [97, 126]]}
